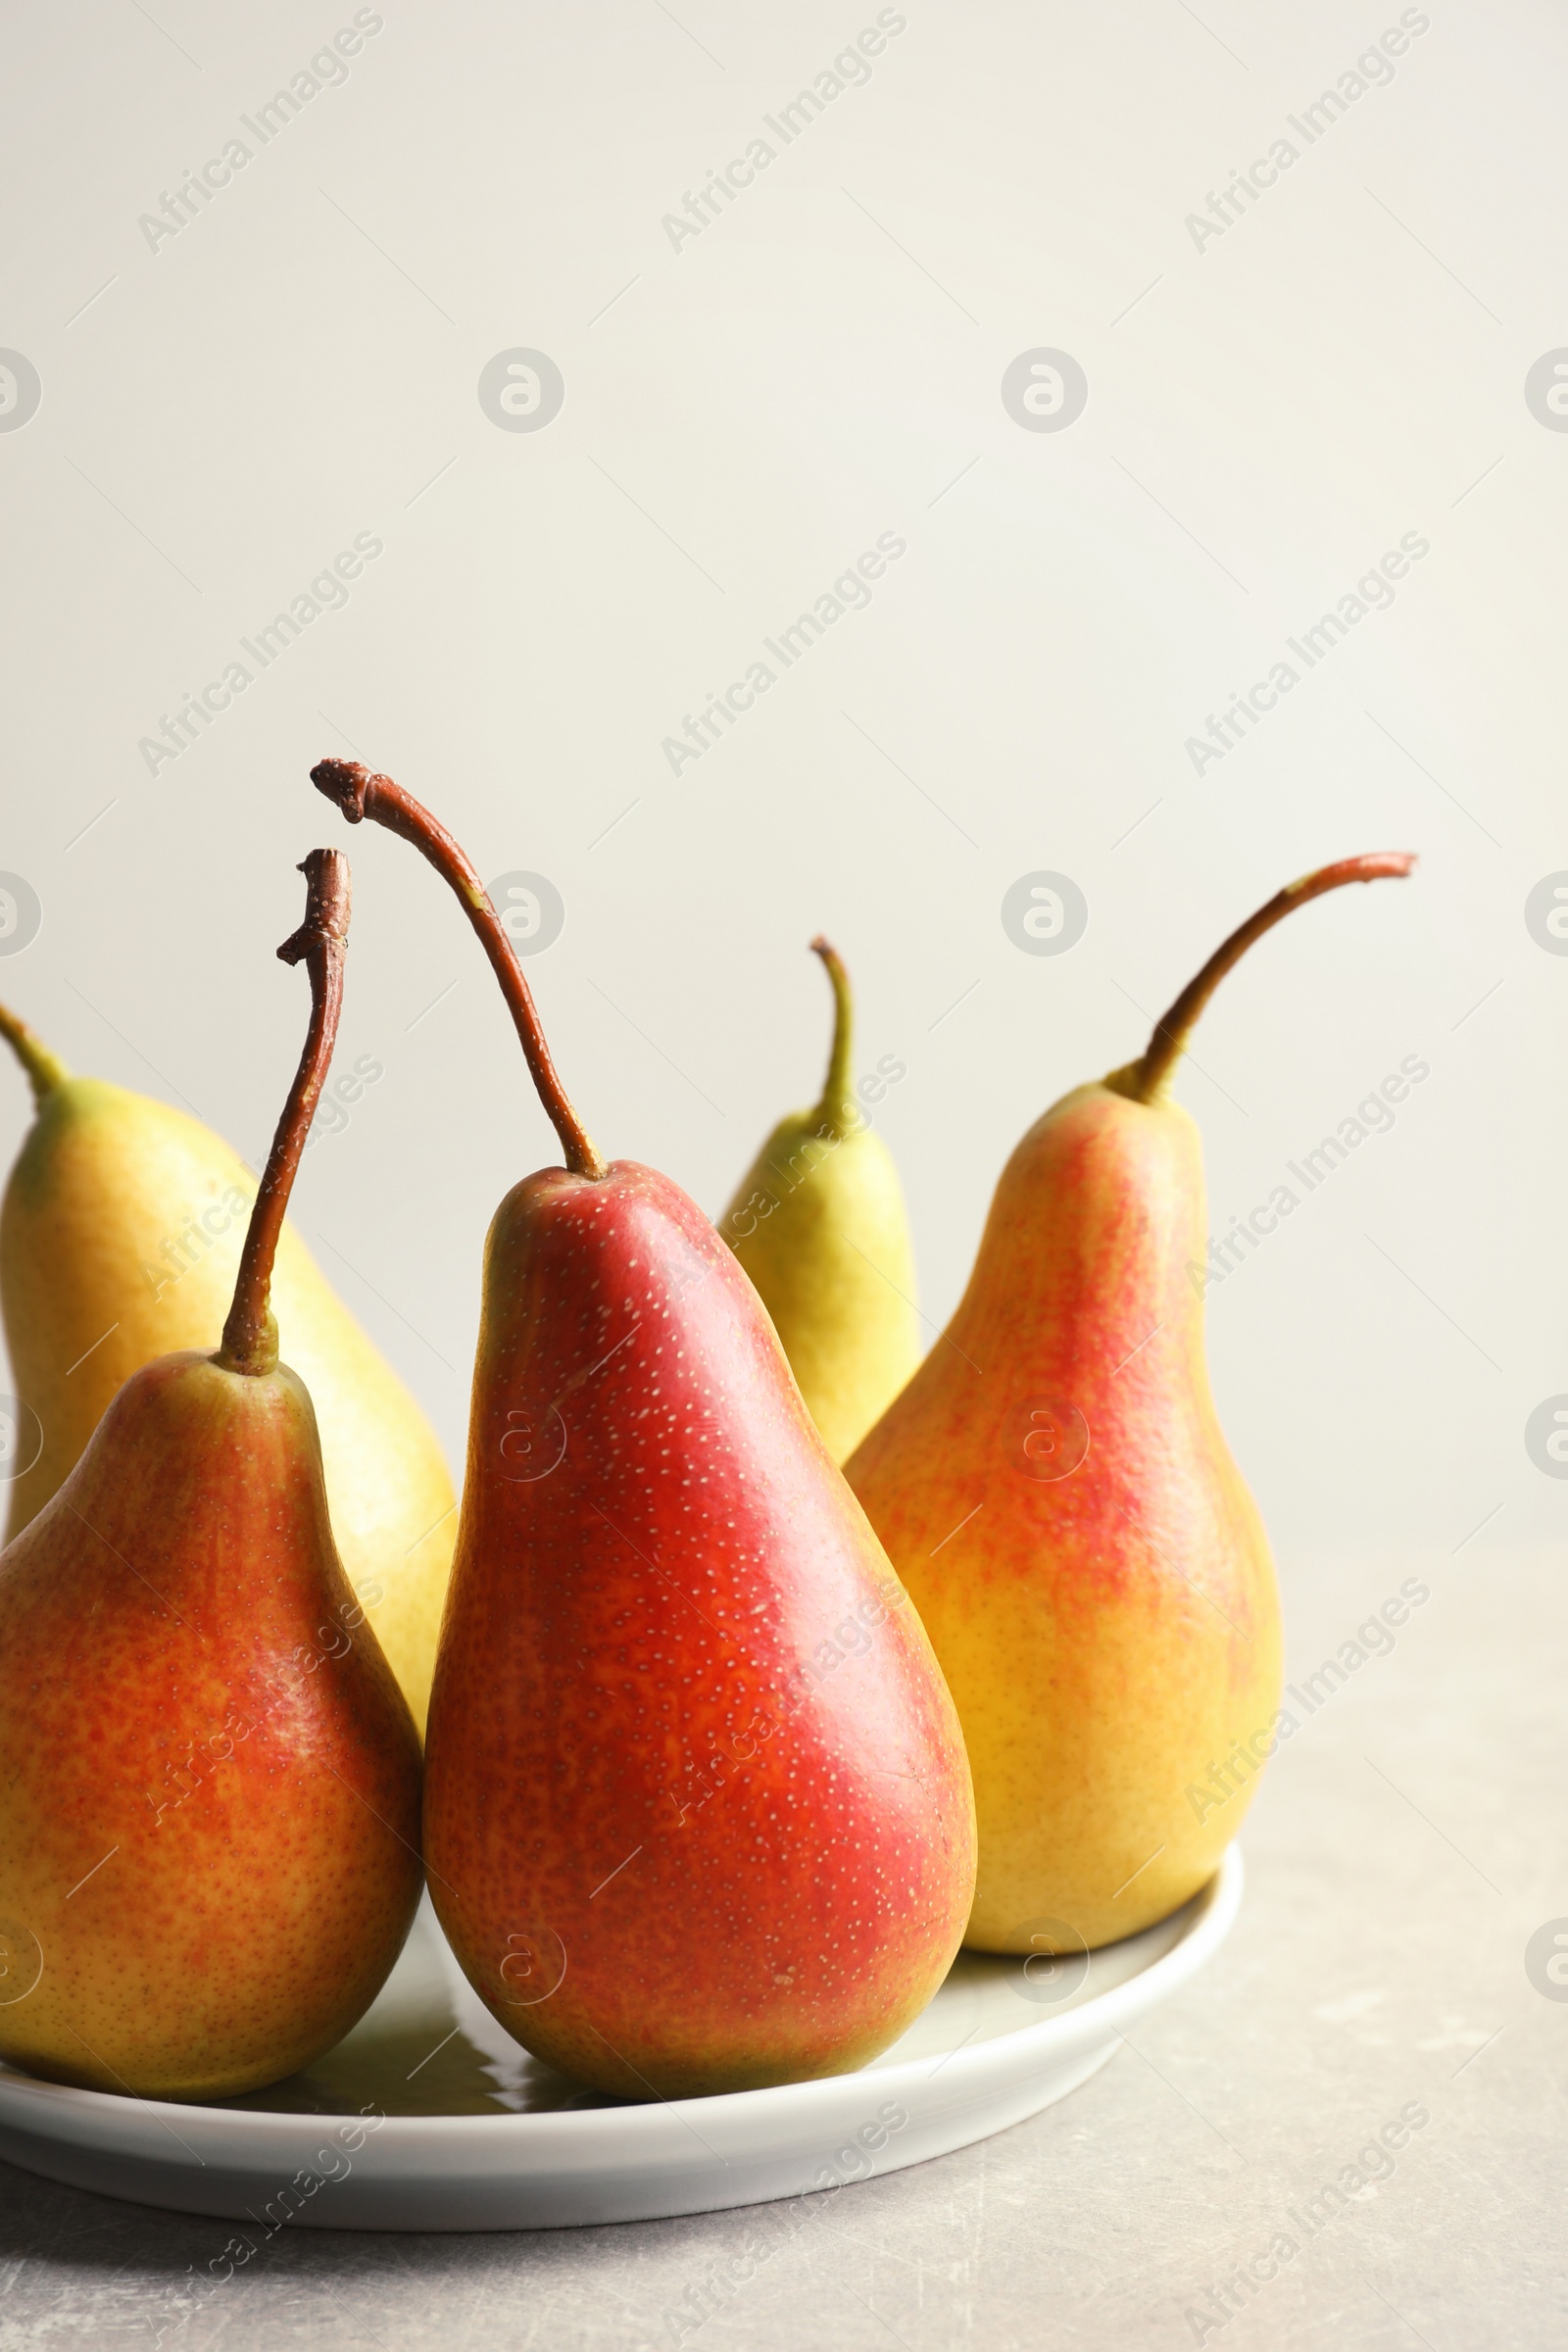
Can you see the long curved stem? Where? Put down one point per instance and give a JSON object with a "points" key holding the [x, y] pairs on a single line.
{"points": [[360, 794], [250, 1335], [45, 1070], [1146, 1080], [836, 1102]]}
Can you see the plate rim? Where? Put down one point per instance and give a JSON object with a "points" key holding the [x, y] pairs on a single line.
{"points": [[30, 2102]]}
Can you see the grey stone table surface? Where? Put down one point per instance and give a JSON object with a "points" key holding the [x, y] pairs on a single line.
{"points": [[1409, 1843]]}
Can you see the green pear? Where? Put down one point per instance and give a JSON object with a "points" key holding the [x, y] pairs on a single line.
{"points": [[120, 1238], [819, 1225]]}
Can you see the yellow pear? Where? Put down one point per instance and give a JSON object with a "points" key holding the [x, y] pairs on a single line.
{"points": [[819, 1225], [120, 1239]]}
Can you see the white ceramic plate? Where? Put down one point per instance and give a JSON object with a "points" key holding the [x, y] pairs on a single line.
{"points": [[428, 2116]]}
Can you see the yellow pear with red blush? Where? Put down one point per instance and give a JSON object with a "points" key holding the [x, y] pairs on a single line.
{"points": [[1055, 1491], [210, 1800]]}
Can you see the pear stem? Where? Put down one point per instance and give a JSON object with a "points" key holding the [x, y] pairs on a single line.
{"points": [[44, 1070], [831, 1110], [360, 794], [250, 1335], [1146, 1079]]}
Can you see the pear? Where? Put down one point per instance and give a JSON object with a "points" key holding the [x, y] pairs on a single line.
{"points": [[1055, 1490], [209, 1806], [819, 1223], [120, 1239], [696, 1813]]}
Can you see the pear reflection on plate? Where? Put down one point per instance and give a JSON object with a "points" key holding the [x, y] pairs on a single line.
{"points": [[427, 2046]]}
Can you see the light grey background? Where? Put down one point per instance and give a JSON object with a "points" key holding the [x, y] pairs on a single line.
{"points": [[754, 410], [1267, 415]]}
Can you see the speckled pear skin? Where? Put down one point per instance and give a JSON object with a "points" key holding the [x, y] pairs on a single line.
{"points": [[120, 1239], [1111, 1634], [697, 1810], [209, 1806]]}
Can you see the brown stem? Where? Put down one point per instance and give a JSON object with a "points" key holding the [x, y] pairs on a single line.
{"points": [[44, 1070], [836, 1100], [1146, 1080], [360, 794], [250, 1335]]}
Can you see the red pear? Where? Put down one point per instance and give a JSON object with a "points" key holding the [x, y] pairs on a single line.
{"points": [[698, 1815]]}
